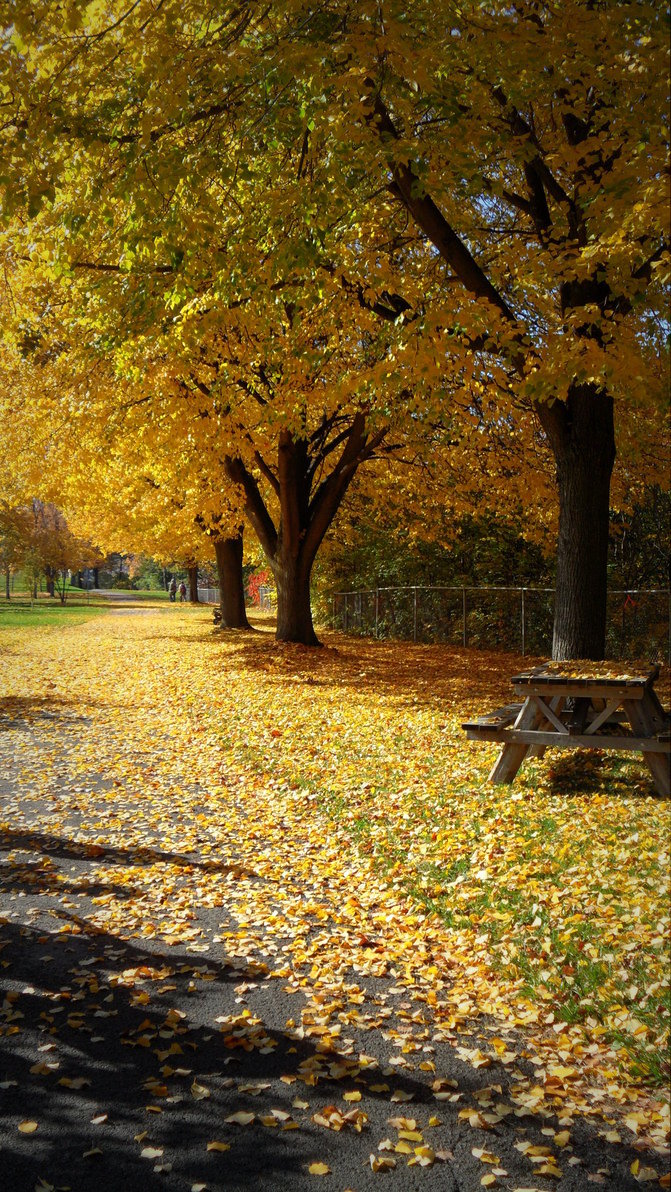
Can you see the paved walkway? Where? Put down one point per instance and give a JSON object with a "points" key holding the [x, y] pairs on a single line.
{"points": [[170, 1018]]}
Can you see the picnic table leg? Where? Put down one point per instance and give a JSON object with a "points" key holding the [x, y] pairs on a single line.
{"points": [[645, 722], [511, 756], [539, 750]]}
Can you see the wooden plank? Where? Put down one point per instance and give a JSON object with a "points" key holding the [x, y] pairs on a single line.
{"points": [[511, 736], [601, 717], [653, 699], [570, 687], [512, 755], [550, 714], [539, 750], [643, 719], [529, 678], [654, 713], [500, 717]]}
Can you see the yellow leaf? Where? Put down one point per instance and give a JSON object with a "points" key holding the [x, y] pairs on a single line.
{"points": [[381, 1163], [27, 1127], [218, 1146], [319, 1169]]}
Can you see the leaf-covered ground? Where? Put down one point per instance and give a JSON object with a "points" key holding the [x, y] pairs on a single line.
{"points": [[264, 923]]}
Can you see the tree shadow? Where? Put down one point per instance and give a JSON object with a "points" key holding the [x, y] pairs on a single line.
{"points": [[141, 1061], [574, 774], [57, 846], [34, 878], [423, 674], [21, 712]]}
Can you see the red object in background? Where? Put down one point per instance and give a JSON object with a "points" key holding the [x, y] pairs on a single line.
{"points": [[260, 579]]}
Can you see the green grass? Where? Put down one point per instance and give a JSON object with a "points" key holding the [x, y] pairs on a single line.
{"points": [[19, 612]]}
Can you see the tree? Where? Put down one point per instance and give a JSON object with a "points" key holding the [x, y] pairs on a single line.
{"points": [[494, 174], [44, 544], [527, 143]]}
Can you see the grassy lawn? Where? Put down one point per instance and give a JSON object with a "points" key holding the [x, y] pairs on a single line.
{"points": [[20, 611]]}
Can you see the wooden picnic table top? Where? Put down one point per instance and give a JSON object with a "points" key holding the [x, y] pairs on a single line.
{"points": [[586, 674]]}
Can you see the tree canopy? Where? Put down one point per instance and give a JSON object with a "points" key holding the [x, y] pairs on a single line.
{"points": [[289, 230]]}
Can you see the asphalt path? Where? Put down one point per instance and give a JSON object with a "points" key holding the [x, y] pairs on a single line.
{"points": [[130, 1080]]}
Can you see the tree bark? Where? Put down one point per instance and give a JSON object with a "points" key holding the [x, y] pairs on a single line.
{"points": [[193, 585], [294, 611], [8, 593], [228, 553], [582, 436], [49, 580], [96, 578]]}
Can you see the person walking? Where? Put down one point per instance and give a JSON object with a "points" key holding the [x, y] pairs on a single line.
{"points": [[173, 589], [182, 592]]}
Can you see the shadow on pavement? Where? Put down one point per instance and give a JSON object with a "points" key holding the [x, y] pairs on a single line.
{"points": [[57, 846], [95, 1025]]}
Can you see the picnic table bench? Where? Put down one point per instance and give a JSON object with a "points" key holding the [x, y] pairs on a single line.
{"points": [[579, 705]]}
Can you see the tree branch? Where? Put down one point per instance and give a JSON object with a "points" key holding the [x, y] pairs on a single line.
{"points": [[255, 507], [406, 186]]}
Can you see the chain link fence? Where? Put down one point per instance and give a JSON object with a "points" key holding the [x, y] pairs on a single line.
{"points": [[208, 595], [499, 618]]}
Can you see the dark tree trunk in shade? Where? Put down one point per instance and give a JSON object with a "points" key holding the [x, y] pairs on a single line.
{"points": [[96, 578], [49, 580], [294, 613], [583, 442], [228, 553], [8, 592], [193, 585]]}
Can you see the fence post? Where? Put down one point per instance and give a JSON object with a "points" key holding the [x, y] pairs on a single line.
{"points": [[414, 614], [463, 618], [523, 625], [377, 610]]}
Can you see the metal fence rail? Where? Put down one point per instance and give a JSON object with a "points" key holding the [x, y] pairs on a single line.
{"points": [[503, 617]]}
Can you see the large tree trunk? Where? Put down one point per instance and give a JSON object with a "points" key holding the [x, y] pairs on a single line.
{"points": [[294, 612], [228, 553], [96, 578], [193, 584], [581, 433], [294, 557], [49, 581]]}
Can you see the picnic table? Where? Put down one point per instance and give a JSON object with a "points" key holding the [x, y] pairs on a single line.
{"points": [[576, 705]]}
